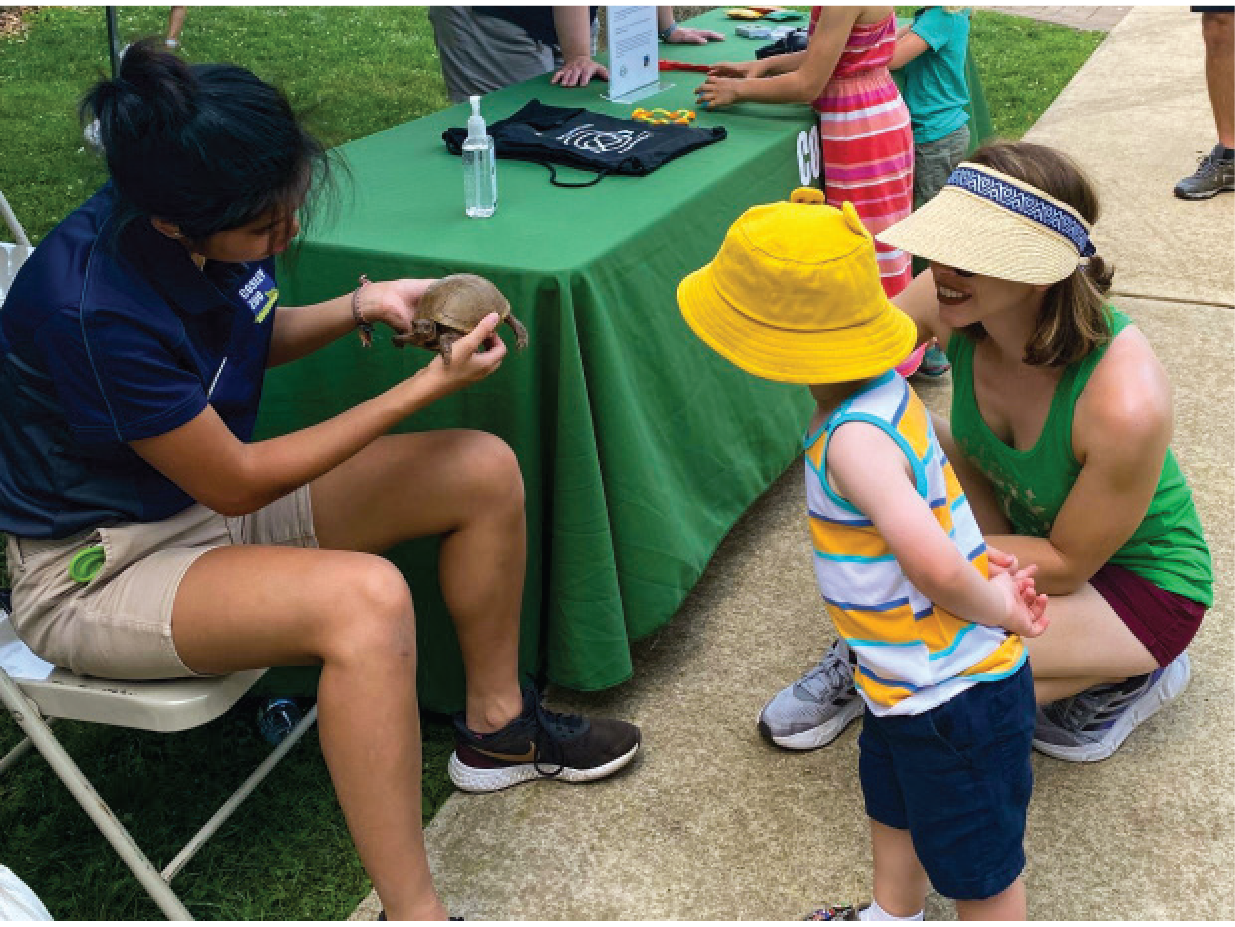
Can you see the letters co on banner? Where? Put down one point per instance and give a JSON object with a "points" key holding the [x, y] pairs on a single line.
{"points": [[808, 155]]}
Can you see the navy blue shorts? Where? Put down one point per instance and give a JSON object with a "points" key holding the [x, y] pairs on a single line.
{"points": [[958, 779]]}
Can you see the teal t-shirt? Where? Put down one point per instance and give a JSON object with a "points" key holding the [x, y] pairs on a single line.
{"points": [[933, 84]]}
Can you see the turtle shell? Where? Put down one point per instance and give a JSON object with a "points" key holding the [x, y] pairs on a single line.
{"points": [[460, 301]]}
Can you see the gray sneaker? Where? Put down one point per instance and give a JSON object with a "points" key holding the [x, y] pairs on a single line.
{"points": [[1212, 176], [1091, 725], [814, 710]]}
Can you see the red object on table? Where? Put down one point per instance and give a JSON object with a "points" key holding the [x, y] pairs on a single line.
{"points": [[684, 66]]}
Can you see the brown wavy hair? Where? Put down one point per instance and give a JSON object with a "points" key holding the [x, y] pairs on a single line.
{"points": [[1072, 320]]}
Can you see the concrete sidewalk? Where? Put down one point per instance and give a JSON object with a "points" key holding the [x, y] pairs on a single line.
{"points": [[713, 823], [1088, 18]]}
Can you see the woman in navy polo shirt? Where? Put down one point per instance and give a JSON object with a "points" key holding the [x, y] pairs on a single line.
{"points": [[132, 348]]}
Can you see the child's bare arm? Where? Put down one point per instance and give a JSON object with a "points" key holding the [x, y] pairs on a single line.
{"points": [[873, 473], [909, 45]]}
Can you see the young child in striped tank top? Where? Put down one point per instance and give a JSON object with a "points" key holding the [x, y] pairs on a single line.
{"points": [[794, 295]]}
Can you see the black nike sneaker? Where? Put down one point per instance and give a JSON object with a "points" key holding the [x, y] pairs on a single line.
{"points": [[540, 744]]}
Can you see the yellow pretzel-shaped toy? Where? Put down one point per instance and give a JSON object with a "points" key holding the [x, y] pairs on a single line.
{"points": [[663, 117]]}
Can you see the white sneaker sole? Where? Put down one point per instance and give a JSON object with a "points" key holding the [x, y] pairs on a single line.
{"points": [[1169, 688], [1207, 195], [819, 736], [470, 779]]}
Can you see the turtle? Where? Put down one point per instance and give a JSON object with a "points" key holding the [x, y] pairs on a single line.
{"points": [[453, 306]]}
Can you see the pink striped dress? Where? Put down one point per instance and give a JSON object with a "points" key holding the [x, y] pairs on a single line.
{"points": [[867, 140]]}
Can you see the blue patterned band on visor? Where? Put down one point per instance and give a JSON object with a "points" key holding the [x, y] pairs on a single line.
{"points": [[1024, 203]]}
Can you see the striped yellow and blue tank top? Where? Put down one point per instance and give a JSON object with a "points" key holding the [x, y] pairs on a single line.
{"points": [[912, 655]]}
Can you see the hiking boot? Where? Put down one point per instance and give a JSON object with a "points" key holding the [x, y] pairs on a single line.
{"points": [[1091, 725], [814, 710], [540, 744], [1213, 175], [835, 912]]}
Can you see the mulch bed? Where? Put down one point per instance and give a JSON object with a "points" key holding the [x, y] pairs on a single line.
{"points": [[11, 22]]}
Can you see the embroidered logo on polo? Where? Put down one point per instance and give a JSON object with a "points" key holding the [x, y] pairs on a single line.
{"points": [[260, 295], [588, 138], [1024, 203]]}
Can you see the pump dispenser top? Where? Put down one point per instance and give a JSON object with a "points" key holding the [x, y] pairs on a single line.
{"points": [[479, 167], [476, 122]]}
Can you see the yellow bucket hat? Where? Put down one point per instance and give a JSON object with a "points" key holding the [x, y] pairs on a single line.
{"points": [[794, 295]]}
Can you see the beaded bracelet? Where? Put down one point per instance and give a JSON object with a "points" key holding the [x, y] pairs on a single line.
{"points": [[362, 324]]}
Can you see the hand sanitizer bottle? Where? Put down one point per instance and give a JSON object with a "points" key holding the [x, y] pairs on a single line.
{"points": [[479, 167]]}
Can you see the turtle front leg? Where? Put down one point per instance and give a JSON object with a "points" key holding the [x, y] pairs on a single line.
{"points": [[520, 331], [447, 341]]}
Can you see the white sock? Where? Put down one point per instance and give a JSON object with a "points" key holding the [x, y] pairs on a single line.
{"points": [[876, 913]]}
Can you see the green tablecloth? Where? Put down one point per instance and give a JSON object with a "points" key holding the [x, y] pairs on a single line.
{"points": [[639, 447]]}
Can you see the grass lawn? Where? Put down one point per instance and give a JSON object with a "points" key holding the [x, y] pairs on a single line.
{"points": [[352, 71]]}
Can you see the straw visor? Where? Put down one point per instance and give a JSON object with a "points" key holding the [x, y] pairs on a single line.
{"points": [[794, 295], [989, 223]]}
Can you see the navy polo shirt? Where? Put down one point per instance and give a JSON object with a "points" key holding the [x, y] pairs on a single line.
{"points": [[107, 339]]}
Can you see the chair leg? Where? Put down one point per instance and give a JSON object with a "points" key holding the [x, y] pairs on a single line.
{"points": [[30, 721], [11, 758], [246, 788]]}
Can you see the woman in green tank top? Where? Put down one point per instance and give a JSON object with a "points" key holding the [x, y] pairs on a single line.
{"points": [[1060, 434]]}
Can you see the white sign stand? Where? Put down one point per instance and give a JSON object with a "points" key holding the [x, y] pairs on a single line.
{"points": [[634, 54]]}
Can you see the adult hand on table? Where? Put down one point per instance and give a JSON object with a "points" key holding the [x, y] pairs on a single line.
{"points": [[684, 35], [472, 358], [576, 72], [717, 91]]}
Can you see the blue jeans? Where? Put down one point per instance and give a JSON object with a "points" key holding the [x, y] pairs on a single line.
{"points": [[958, 779]]}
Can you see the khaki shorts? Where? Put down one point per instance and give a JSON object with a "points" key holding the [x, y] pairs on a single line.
{"points": [[118, 624]]}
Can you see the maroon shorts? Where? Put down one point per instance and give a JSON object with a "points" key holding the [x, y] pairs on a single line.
{"points": [[1165, 622]]}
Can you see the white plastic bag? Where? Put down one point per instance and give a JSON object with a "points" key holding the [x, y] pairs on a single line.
{"points": [[17, 902], [12, 256]]}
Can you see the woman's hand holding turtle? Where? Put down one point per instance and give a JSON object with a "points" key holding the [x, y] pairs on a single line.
{"points": [[472, 358], [393, 302]]}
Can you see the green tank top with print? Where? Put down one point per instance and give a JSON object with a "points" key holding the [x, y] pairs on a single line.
{"points": [[1168, 548]]}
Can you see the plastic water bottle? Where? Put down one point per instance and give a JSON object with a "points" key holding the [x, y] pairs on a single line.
{"points": [[479, 167], [276, 717]]}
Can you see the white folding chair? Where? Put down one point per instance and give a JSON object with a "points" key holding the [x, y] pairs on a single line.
{"points": [[12, 255], [35, 693]]}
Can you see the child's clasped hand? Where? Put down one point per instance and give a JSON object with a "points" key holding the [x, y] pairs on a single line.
{"points": [[1025, 607]]}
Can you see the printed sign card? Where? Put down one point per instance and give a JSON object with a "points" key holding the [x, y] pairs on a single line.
{"points": [[634, 53]]}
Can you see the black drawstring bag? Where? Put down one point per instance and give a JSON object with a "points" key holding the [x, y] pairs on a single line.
{"points": [[587, 141], [790, 42]]}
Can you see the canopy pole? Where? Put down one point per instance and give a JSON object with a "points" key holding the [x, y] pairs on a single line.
{"points": [[113, 41]]}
